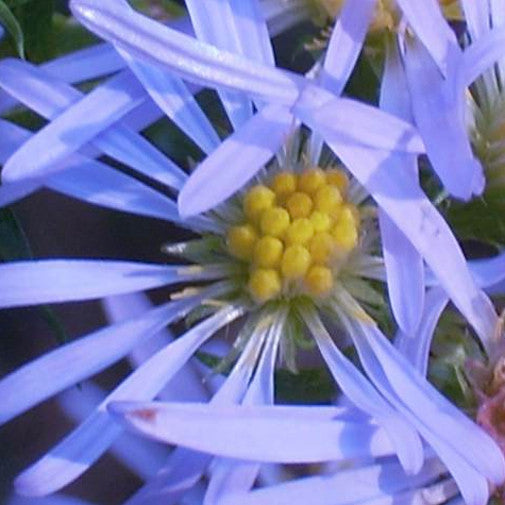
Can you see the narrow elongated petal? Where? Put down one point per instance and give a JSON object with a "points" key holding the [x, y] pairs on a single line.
{"points": [[375, 482], [57, 281], [187, 385], [174, 98], [343, 119], [88, 180], [404, 264], [416, 346], [482, 54], [208, 20], [488, 272], [185, 467], [50, 96], [471, 481], [244, 153], [108, 102], [408, 207], [437, 106], [363, 394], [252, 30], [69, 364], [477, 17], [427, 20], [189, 58], [78, 451], [435, 410], [139, 455], [258, 434], [345, 44]]}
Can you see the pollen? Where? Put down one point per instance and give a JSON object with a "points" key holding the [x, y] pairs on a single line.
{"points": [[296, 230]]}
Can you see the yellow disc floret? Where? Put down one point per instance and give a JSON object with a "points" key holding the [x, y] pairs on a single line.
{"points": [[297, 230], [274, 221], [256, 200], [283, 184], [300, 231], [264, 284], [299, 205], [319, 280], [310, 180], [268, 252], [241, 240], [295, 262]]}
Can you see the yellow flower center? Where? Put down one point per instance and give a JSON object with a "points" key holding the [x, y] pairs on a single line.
{"points": [[385, 17], [297, 229]]}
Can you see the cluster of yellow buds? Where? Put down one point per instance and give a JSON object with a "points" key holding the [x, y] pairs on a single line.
{"points": [[297, 229]]}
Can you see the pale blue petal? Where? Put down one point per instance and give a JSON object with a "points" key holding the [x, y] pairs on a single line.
{"points": [[236, 160], [50, 500], [429, 24], [477, 17], [252, 29], [343, 119], [345, 44], [50, 96], [488, 272], [482, 54], [405, 275], [437, 104], [189, 58], [351, 486], [98, 184], [87, 180], [434, 410], [284, 15], [139, 455], [174, 98], [51, 373], [187, 384], [79, 450], [472, 483], [404, 265], [59, 281], [74, 127], [185, 467], [363, 394], [275, 434], [407, 206], [208, 19], [88, 63], [416, 346]]}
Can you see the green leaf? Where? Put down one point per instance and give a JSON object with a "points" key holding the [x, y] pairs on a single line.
{"points": [[12, 25], [308, 386], [36, 19], [480, 219], [13, 242]]}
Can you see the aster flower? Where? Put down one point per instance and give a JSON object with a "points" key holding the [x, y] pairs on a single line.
{"points": [[278, 293]]}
